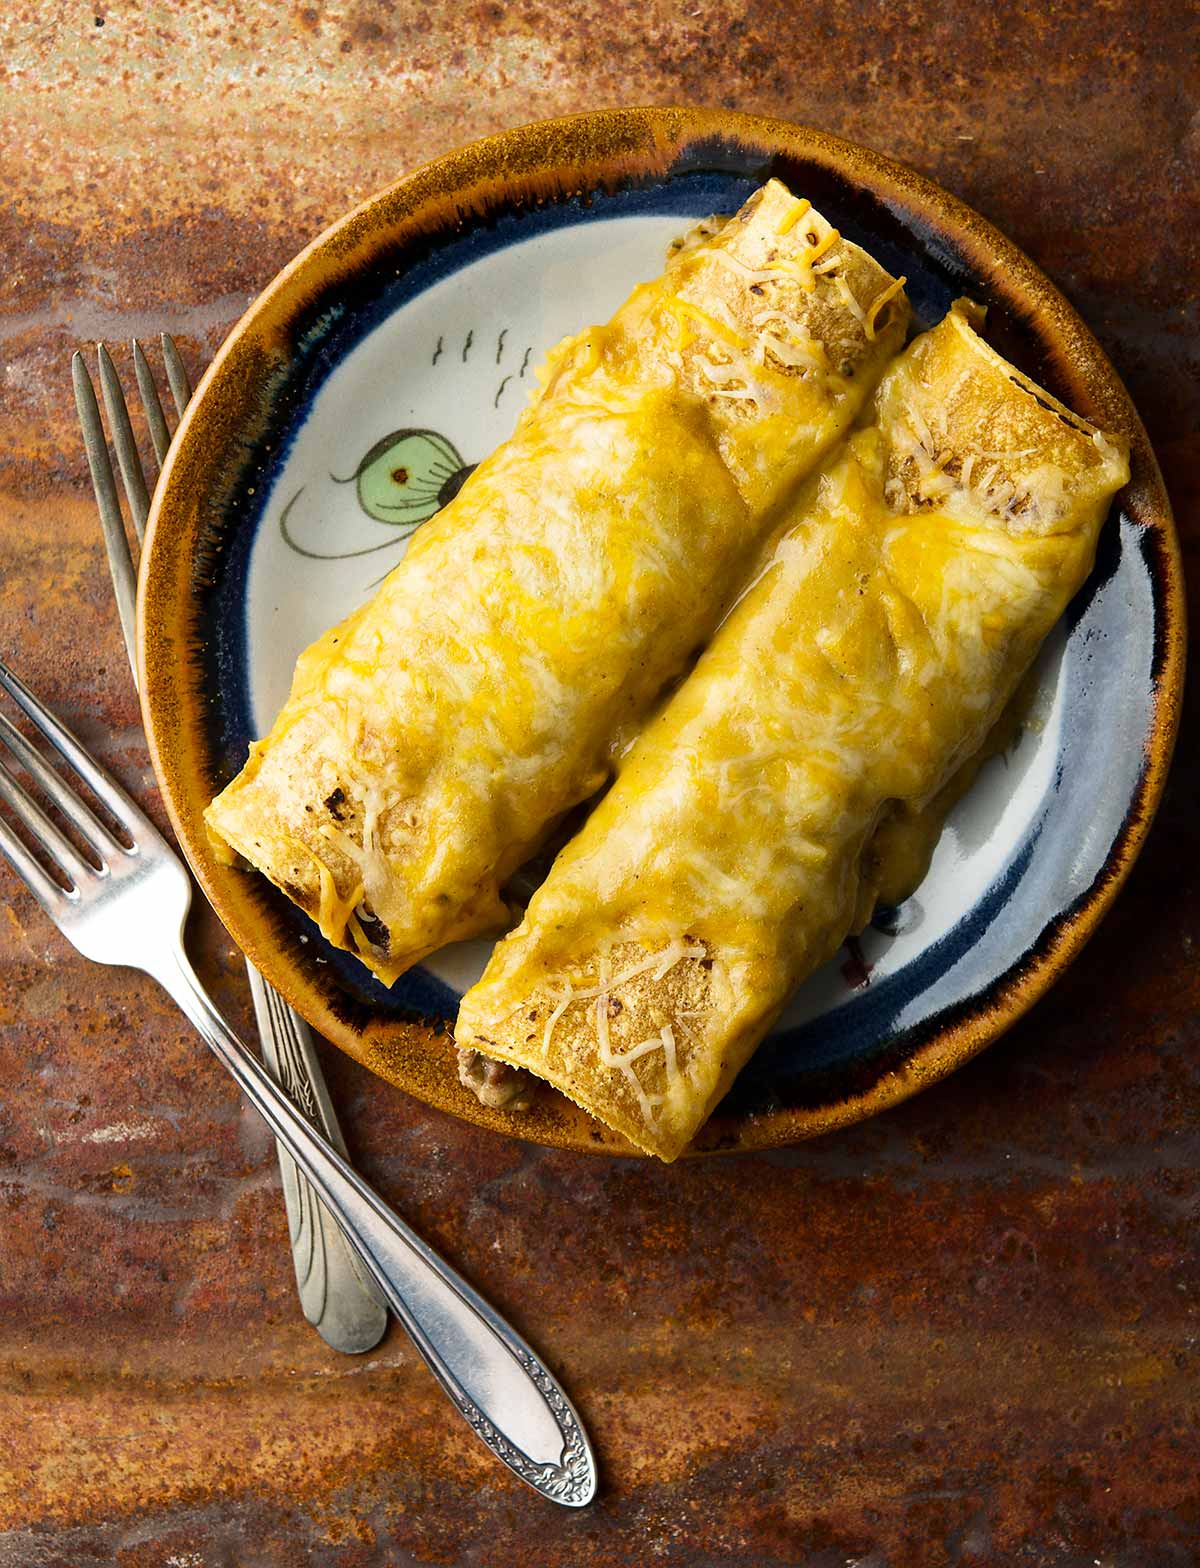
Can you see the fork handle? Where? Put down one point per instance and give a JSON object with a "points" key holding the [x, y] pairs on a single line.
{"points": [[339, 1299], [507, 1396]]}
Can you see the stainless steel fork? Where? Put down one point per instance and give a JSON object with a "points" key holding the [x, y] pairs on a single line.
{"points": [[120, 894], [338, 1299]]}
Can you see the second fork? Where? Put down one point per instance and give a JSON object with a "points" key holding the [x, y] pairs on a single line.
{"points": [[342, 1303]]}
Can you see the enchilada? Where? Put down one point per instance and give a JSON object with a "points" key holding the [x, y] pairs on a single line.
{"points": [[755, 822], [433, 739]]}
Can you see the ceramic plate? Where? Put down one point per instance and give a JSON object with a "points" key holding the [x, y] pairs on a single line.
{"points": [[405, 339]]}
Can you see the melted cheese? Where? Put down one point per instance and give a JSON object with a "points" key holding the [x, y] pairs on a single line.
{"points": [[879, 302], [685, 310], [848, 299], [792, 217]]}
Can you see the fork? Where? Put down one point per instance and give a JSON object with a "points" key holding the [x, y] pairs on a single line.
{"points": [[122, 899], [341, 1303]]}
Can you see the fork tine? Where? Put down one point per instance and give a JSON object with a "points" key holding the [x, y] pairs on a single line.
{"points": [[105, 789], [55, 843], [181, 387], [45, 889], [94, 831], [122, 433], [151, 402], [116, 544]]}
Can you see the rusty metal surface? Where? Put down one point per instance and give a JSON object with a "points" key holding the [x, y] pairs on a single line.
{"points": [[966, 1332]]}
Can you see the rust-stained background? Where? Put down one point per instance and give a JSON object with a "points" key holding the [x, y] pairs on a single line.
{"points": [[966, 1332]]}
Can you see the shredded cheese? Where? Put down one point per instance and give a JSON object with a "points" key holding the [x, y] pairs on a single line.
{"points": [[565, 1001], [795, 353], [360, 938], [815, 253], [746, 273], [790, 219], [1039, 493], [849, 300], [802, 269], [681, 1018], [333, 911], [917, 420], [623, 1061], [877, 305], [724, 379], [342, 841], [658, 966], [718, 329]]}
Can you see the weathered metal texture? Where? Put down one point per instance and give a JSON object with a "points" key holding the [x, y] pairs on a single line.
{"points": [[965, 1332]]}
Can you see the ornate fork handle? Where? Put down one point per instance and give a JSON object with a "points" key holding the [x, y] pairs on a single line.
{"points": [[125, 901], [337, 1296], [493, 1377]]}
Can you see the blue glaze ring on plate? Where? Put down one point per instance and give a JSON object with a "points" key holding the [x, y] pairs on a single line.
{"points": [[398, 351]]}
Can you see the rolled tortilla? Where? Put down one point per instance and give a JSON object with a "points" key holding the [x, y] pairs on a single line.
{"points": [[890, 622], [433, 739]]}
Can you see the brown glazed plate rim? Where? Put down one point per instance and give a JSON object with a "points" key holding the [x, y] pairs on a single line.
{"points": [[526, 176]]}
